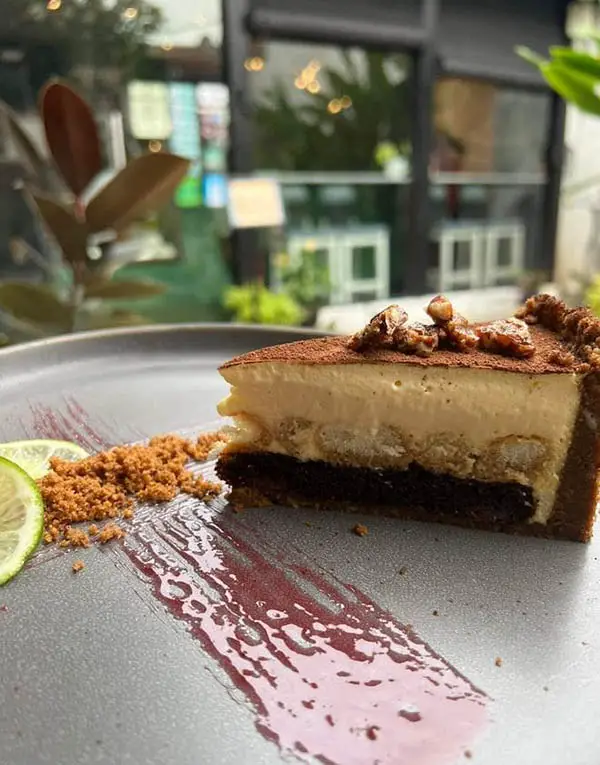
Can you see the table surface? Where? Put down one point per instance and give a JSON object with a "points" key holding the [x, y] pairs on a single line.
{"points": [[269, 636]]}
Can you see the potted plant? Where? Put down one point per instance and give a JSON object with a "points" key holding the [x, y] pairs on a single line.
{"points": [[84, 226]]}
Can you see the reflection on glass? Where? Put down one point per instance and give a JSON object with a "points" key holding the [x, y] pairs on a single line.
{"points": [[149, 69], [483, 128], [329, 109]]}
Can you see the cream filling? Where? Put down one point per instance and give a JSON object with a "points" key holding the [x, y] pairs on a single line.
{"points": [[490, 425]]}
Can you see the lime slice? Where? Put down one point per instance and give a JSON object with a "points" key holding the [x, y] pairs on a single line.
{"points": [[21, 518], [34, 456]]}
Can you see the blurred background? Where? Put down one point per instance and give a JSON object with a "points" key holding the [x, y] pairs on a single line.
{"points": [[345, 154]]}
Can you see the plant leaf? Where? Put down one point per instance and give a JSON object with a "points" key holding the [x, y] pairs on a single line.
{"points": [[70, 234], [125, 290], [529, 55], [576, 61], [143, 186], [35, 303], [576, 87], [25, 146], [117, 319], [72, 135]]}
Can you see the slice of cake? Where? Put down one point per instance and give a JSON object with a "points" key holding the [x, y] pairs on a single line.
{"points": [[492, 426]]}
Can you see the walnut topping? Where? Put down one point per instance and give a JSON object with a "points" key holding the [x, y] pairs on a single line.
{"points": [[460, 335], [390, 329], [380, 330], [510, 337], [440, 309], [419, 339], [562, 359]]}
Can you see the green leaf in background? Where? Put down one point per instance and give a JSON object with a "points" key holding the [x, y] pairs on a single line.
{"points": [[146, 184], [117, 319], [35, 303], [70, 234], [71, 134], [125, 290], [574, 86], [576, 61]]}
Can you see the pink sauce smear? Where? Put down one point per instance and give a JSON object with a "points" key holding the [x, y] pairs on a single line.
{"points": [[330, 674]]}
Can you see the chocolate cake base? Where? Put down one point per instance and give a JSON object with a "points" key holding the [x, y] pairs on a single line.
{"points": [[413, 493]]}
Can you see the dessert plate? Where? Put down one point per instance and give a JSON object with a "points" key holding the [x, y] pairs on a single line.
{"points": [[275, 635]]}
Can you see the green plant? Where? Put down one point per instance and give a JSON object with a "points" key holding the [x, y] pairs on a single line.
{"points": [[312, 136], [575, 76], [255, 304], [84, 229], [592, 295], [308, 282]]}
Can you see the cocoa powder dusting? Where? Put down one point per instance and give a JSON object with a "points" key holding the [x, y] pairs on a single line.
{"points": [[105, 486]]}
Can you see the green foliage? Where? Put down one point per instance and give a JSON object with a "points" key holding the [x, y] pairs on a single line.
{"points": [[255, 304], [592, 296], [307, 283], [574, 75], [309, 137]]}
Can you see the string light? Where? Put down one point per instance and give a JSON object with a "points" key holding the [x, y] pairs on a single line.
{"points": [[53, 5], [167, 45], [154, 146], [346, 102], [130, 13], [307, 79], [255, 64], [334, 106], [314, 87]]}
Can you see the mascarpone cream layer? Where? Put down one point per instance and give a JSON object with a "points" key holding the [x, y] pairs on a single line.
{"points": [[467, 422]]}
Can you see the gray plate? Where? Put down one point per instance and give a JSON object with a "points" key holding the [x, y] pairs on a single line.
{"points": [[102, 667]]}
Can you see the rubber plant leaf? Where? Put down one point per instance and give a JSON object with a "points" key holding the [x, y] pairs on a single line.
{"points": [[71, 134], [124, 290], [69, 233], [143, 186], [35, 303]]}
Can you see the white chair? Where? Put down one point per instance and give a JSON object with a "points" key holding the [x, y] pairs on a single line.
{"points": [[512, 234], [451, 237]]}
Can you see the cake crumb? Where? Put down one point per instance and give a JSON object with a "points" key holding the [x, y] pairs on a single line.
{"points": [[372, 732], [468, 754], [403, 570], [78, 566], [546, 688], [498, 661], [435, 612], [105, 486], [110, 531], [360, 530]]}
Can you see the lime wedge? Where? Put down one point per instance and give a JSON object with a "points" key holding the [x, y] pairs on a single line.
{"points": [[21, 518], [34, 456]]}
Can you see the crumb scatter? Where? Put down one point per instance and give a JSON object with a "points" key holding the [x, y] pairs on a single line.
{"points": [[103, 488], [78, 566], [498, 661]]}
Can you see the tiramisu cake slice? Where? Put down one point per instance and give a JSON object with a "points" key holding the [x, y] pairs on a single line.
{"points": [[493, 426]]}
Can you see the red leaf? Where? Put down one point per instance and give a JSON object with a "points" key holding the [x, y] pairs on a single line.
{"points": [[72, 135]]}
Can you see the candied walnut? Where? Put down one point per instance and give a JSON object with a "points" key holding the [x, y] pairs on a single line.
{"points": [[440, 309], [509, 337], [460, 335], [420, 339], [380, 330], [562, 358]]}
